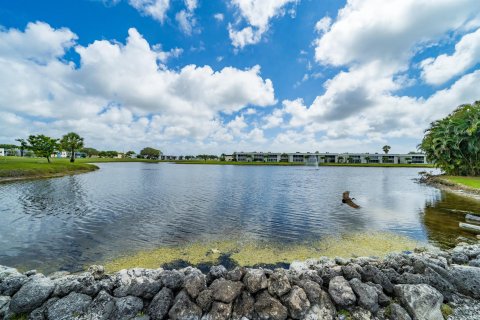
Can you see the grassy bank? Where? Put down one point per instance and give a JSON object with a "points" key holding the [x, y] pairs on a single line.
{"points": [[247, 163], [254, 253], [469, 182], [16, 168]]}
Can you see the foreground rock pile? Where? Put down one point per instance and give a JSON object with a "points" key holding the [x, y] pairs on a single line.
{"points": [[402, 286]]}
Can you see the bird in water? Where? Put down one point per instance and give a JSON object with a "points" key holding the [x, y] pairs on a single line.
{"points": [[347, 200]]}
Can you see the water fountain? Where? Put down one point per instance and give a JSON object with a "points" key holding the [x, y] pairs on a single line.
{"points": [[312, 161]]}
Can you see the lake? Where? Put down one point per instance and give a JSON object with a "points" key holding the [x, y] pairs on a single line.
{"points": [[65, 223]]}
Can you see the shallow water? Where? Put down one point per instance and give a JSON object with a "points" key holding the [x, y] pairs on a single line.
{"points": [[65, 223]]}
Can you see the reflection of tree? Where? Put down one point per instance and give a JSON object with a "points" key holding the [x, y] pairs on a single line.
{"points": [[441, 218]]}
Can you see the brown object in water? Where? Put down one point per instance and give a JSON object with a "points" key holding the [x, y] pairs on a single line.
{"points": [[346, 199]]}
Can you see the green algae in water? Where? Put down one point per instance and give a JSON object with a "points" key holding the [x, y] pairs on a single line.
{"points": [[252, 253]]}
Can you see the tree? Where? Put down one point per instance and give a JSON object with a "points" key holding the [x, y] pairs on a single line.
{"points": [[71, 142], [150, 153], [386, 148], [129, 154], [90, 152], [453, 143], [340, 159], [23, 146], [42, 146]]}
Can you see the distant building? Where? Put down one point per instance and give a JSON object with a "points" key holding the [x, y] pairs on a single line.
{"points": [[298, 157], [229, 157], [2, 152]]}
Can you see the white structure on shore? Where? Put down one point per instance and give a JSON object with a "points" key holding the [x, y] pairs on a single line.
{"points": [[413, 158], [2, 152]]}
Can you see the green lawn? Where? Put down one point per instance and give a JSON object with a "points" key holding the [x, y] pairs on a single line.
{"points": [[471, 182], [17, 167]]}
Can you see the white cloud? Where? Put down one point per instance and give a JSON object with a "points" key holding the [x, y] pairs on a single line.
{"points": [[186, 18], [323, 25], [442, 68], [257, 14], [118, 90], [219, 16], [157, 9], [367, 30]]}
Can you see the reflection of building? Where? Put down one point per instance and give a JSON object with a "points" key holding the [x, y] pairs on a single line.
{"points": [[416, 158]]}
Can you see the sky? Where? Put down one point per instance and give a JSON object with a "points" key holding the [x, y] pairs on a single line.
{"points": [[218, 76]]}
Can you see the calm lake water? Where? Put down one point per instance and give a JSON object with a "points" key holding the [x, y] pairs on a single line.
{"points": [[65, 223]]}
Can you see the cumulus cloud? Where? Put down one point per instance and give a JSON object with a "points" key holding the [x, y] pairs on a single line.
{"points": [[219, 16], [442, 68], [117, 90], [374, 42], [157, 9], [186, 19], [257, 14]]}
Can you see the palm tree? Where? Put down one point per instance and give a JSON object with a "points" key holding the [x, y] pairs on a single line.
{"points": [[386, 148], [71, 142]]}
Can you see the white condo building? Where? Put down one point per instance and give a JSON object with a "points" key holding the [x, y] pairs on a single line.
{"points": [[413, 158]]}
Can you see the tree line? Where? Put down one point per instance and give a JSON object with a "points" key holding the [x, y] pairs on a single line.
{"points": [[44, 146]]}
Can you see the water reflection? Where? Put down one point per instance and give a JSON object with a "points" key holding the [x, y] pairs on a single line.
{"points": [[67, 222]]}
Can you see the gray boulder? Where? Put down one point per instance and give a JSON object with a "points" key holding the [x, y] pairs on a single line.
{"points": [[101, 308], [81, 283], [97, 271], [467, 280], [341, 292], [41, 312], [31, 295], [4, 304], [137, 282], [12, 283], [459, 258], [278, 283], [184, 308], [243, 306], [367, 295], [312, 289], [235, 274], [219, 311], [421, 300], [351, 271], [172, 279], [160, 304], [297, 303], [268, 308], [127, 307], [225, 290], [474, 263], [72, 306], [205, 299], [195, 282], [329, 273], [398, 313], [255, 280], [359, 313], [7, 271], [216, 272]]}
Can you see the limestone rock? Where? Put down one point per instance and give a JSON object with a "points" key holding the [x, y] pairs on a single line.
{"points": [[243, 306], [127, 307], [225, 290], [172, 279], [101, 308], [255, 280], [12, 283], [195, 282], [205, 299], [160, 304], [367, 296], [219, 311], [398, 313], [268, 308], [69, 307], [341, 292], [421, 300], [184, 308], [278, 283], [297, 303], [467, 280], [31, 295]]}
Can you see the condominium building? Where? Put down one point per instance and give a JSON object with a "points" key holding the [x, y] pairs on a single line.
{"points": [[298, 157]]}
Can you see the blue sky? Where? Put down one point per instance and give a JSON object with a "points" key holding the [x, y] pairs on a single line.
{"points": [[194, 76]]}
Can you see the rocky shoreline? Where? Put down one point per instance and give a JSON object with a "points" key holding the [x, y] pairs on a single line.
{"points": [[427, 284]]}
